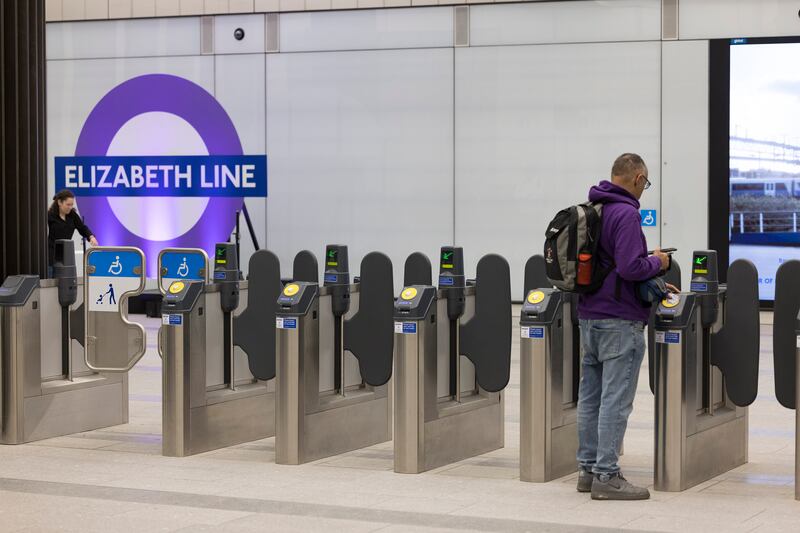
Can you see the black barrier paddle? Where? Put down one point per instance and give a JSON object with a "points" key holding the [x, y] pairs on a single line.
{"points": [[369, 334], [535, 275], [254, 328], [486, 338], [77, 328], [417, 270], [784, 331], [672, 276], [735, 348], [305, 267]]}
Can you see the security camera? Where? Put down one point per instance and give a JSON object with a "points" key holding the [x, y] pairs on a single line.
{"points": [[238, 34]]}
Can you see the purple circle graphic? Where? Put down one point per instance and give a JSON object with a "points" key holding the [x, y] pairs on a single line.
{"points": [[192, 103]]}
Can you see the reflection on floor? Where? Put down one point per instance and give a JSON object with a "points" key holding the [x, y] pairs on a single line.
{"points": [[116, 480]]}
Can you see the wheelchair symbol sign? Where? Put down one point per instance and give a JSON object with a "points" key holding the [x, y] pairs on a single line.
{"points": [[183, 269], [181, 265], [116, 267], [648, 217]]}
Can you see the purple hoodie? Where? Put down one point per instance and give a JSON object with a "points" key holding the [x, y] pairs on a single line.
{"points": [[622, 241]]}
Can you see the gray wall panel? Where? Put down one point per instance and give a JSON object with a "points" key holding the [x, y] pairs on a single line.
{"points": [[536, 126], [361, 152], [684, 144], [565, 22], [240, 87], [123, 38]]}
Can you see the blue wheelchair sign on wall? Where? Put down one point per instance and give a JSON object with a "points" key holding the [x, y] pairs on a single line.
{"points": [[648, 217]]}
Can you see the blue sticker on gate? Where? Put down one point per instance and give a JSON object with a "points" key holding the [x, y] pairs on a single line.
{"points": [[536, 333], [285, 323], [672, 337], [446, 281], [649, 217], [696, 286], [409, 327]]}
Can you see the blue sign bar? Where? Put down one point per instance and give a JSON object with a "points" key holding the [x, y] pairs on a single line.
{"points": [[189, 175], [183, 265], [115, 263]]}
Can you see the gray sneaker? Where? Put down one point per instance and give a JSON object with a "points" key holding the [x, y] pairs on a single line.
{"points": [[617, 487], [585, 479]]}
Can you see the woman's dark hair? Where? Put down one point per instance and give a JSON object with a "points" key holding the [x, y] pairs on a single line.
{"points": [[60, 197]]}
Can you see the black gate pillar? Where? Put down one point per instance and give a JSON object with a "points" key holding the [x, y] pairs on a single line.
{"points": [[23, 144]]}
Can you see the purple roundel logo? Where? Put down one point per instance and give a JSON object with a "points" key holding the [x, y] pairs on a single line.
{"points": [[221, 179]]}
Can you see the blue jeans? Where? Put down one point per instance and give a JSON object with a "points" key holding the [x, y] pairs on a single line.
{"points": [[612, 355]]}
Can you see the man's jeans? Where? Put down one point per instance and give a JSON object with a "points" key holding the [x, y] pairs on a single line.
{"points": [[612, 355]]}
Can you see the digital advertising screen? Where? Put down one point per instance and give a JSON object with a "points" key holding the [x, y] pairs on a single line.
{"points": [[754, 101]]}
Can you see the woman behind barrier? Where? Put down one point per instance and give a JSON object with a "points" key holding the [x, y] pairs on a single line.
{"points": [[62, 221]]}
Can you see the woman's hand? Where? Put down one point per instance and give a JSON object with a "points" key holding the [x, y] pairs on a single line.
{"points": [[93, 241]]}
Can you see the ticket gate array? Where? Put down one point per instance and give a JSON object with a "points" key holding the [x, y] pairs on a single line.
{"points": [[47, 388], [549, 378], [325, 406], [211, 399], [706, 374], [452, 361], [786, 347]]}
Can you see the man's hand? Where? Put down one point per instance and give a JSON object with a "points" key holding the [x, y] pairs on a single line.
{"points": [[672, 288], [93, 241], [664, 258]]}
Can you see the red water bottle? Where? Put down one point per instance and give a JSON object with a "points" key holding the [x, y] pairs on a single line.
{"points": [[584, 268]]}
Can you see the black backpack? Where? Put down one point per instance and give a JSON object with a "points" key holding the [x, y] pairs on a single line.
{"points": [[571, 245]]}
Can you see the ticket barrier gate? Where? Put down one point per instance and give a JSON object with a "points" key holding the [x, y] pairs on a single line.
{"points": [[706, 374], [326, 406], [212, 398], [452, 361], [47, 389], [549, 378], [786, 348]]}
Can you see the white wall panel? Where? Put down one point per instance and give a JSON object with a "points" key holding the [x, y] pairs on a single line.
{"points": [[226, 43], [684, 145], [536, 126], [565, 22], [361, 153], [240, 87], [708, 19], [368, 29], [123, 38]]}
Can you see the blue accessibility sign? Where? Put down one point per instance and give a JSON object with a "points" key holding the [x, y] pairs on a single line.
{"points": [[184, 264], [115, 263], [648, 217]]}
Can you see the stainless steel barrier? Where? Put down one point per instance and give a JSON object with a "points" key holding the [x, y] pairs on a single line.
{"points": [[111, 276], [331, 400], [549, 378], [706, 373], [208, 402], [450, 374], [786, 348], [47, 389]]}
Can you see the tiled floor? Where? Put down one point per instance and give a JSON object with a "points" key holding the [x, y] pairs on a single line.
{"points": [[116, 480]]}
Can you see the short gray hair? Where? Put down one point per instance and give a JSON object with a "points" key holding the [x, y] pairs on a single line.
{"points": [[628, 166]]}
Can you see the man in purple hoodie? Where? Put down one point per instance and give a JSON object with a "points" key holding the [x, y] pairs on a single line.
{"points": [[612, 333]]}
